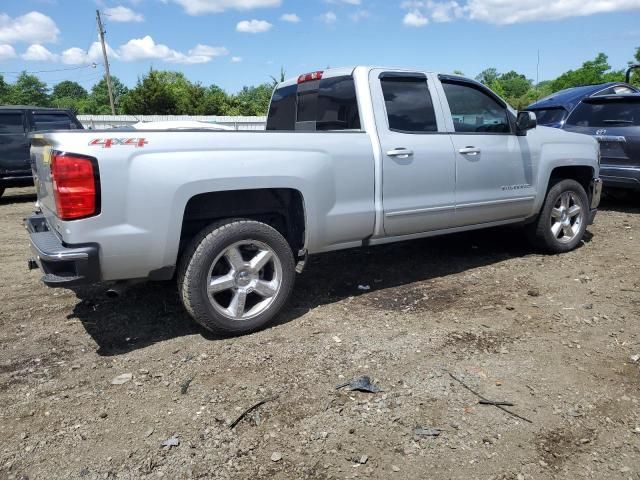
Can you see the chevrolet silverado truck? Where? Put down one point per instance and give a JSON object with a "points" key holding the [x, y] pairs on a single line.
{"points": [[350, 157]]}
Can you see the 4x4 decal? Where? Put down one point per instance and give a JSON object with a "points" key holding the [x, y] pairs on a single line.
{"points": [[110, 142]]}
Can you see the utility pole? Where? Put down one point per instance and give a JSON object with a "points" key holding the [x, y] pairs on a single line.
{"points": [[106, 61]]}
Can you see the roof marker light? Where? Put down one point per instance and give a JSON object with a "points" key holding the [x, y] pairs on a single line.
{"points": [[310, 77]]}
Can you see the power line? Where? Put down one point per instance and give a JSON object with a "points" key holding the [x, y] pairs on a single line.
{"points": [[92, 65]]}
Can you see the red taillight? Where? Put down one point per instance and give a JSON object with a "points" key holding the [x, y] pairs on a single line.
{"points": [[74, 186], [310, 77]]}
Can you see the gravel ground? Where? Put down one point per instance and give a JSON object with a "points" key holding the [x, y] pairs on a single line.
{"points": [[555, 335]]}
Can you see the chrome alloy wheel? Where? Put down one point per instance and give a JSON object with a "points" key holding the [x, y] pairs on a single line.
{"points": [[567, 217], [244, 280]]}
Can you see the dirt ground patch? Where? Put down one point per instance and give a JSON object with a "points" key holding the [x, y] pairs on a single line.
{"points": [[552, 334]]}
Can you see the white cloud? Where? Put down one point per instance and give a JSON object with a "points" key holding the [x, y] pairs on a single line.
{"points": [[360, 15], [290, 17], [415, 18], [146, 48], [348, 2], [253, 26], [78, 56], [38, 53], [200, 7], [506, 12], [123, 14], [329, 18], [501, 12], [236, 59], [33, 27], [7, 52]]}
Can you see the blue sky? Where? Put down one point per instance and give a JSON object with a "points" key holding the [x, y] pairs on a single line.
{"points": [[233, 43]]}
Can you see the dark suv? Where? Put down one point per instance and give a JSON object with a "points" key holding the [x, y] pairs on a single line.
{"points": [[610, 112], [615, 121], [16, 122]]}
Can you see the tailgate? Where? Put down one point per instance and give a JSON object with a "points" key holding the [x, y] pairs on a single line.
{"points": [[41, 148]]}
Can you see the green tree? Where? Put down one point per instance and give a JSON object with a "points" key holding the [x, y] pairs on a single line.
{"points": [[152, 95], [28, 90], [488, 76], [68, 88], [215, 102], [4, 90], [280, 78], [98, 100], [593, 71], [253, 100]]}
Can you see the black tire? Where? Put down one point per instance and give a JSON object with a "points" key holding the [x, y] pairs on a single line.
{"points": [[539, 232], [207, 247], [1, 191]]}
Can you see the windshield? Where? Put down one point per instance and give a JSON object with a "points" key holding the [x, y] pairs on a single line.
{"points": [[606, 114], [550, 116]]}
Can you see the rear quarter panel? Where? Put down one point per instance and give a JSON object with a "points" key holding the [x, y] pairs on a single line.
{"points": [[145, 189]]}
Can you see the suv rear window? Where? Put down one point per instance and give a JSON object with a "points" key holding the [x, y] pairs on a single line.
{"points": [[11, 123], [328, 104], [606, 114], [53, 121]]}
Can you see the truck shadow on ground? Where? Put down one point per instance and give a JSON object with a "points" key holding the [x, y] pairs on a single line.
{"points": [[628, 204], [8, 199], [152, 312]]}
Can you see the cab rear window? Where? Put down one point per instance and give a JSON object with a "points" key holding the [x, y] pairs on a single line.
{"points": [[322, 105], [53, 121], [11, 123]]}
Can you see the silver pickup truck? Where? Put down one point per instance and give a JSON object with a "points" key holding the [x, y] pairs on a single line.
{"points": [[350, 157]]}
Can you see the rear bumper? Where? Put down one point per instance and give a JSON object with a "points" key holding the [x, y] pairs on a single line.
{"points": [[62, 265], [620, 177]]}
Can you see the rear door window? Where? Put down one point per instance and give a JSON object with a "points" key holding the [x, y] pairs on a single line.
{"points": [[11, 123], [53, 121], [321, 105], [409, 104]]}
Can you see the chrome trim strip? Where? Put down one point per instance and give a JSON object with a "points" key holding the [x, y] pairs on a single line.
{"points": [[496, 202], [418, 211]]}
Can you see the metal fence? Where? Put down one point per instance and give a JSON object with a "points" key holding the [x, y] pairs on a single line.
{"points": [[112, 121]]}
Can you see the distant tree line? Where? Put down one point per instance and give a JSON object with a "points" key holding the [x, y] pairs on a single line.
{"points": [[171, 93]]}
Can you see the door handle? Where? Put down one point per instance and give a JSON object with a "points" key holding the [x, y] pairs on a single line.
{"points": [[400, 153], [472, 151]]}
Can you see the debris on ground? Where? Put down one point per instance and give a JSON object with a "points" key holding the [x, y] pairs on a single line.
{"points": [[122, 379], [361, 384], [185, 385], [364, 288], [487, 401], [427, 431], [363, 459], [174, 441], [635, 358], [276, 456], [251, 409]]}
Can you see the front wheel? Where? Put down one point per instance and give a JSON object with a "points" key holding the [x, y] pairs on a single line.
{"points": [[235, 276], [563, 218]]}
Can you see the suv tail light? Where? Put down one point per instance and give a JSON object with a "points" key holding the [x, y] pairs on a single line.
{"points": [[75, 185]]}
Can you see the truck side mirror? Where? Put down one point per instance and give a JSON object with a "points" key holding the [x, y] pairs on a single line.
{"points": [[526, 121]]}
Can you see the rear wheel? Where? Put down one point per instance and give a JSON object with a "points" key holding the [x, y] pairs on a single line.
{"points": [[236, 275], [563, 218]]}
